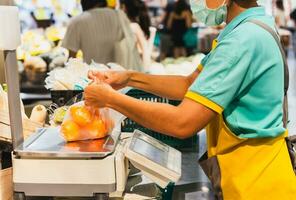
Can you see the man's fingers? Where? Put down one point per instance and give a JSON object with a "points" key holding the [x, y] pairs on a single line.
{"points": [[90, 74], [109, 81], [95, 75], [110, 78]]}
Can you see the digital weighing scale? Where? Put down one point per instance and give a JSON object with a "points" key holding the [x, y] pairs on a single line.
{"points": [[45, 165]]}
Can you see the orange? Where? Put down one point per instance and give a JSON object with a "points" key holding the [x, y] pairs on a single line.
{"points": [[70, 130], [97, 113], [72, 146], [80, 115], [97, 128]]}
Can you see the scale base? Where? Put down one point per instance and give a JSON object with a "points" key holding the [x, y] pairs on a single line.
{"points": [[22, 196], [80, 178]]}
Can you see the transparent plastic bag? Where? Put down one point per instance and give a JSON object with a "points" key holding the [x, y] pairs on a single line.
{"points": [[58, 114], [85, 123]]}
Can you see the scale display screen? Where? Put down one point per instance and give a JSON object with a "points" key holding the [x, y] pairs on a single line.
{"points": [[158, 161], [150, 148], [151, 152]]}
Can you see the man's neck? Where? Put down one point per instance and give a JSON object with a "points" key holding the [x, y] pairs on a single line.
{"points": [[234, 10]]}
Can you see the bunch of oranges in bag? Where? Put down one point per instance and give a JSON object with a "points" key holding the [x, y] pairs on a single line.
{"points": [[83, 124]]}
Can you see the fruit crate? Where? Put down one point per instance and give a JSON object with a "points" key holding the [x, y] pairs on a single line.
{"points": [[190, 144]]}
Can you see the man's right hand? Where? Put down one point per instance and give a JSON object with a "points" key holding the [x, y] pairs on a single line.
{"points": [[117, 79]]}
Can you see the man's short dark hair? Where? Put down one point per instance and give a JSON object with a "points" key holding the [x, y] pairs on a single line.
{"points": [[90, 4], [245, 3]]}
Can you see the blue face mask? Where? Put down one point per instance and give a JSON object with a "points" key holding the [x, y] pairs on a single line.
{"points": [[210, 17]]}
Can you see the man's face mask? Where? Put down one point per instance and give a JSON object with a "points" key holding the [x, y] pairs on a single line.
{"points": [[210, 13]]}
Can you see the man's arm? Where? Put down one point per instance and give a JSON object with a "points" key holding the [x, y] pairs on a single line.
{"points": [[172, 87], [181, 121]]}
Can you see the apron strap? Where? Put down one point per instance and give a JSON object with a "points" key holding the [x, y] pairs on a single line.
{"points": [[286, 69]]}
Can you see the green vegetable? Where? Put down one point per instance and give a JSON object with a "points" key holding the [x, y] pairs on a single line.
{"points": [[59, 114], [4, 86]]}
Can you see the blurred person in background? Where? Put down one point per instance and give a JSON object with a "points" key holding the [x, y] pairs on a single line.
{"points": [[293, 16], [180, 20], [166, 44], [137, 12], [293, 29], [95, 32], [155, 5], [279, 14]]}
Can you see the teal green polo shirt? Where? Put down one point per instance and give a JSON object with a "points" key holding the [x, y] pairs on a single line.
{"points": [[242, 78]]}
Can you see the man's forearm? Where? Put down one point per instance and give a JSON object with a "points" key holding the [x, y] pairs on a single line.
{"points": [[181, 121], [159, 117], [172, 87]]}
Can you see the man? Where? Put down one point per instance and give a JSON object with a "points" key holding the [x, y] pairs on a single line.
{"points": [[237, 91], [96, 32]]}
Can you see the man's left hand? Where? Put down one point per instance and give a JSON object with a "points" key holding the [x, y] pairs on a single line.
{"points": [[98, 95]]}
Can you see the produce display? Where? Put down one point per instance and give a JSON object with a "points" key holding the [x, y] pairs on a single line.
{"points": [[181, 66], [35, 69], [38, 41], [33, 43], [55, 11], [83, 123], [57, 57], [39, 54], [55, 33]]}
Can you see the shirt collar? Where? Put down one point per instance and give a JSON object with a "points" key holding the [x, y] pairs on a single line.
{"points": [[251, 12]]}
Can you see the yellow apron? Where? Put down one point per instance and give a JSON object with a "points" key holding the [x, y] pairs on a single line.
{"points": [[248, 169]]}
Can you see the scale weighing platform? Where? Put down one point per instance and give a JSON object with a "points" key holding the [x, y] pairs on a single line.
{"points": [[45, 165]]}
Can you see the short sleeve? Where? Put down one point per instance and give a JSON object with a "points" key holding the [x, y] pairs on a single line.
{"points": [[72, 38], [223, 73]]}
